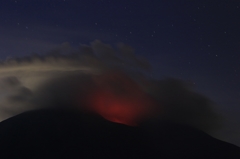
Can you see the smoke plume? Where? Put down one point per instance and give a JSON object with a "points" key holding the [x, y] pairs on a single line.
{"points": [[114, 82]]}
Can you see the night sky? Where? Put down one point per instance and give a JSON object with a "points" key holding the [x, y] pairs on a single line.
{"points": [[197, 41]]}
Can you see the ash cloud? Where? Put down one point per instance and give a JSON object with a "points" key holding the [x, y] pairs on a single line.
{"points": [[181, 104], [64, 74], [14, 97]]}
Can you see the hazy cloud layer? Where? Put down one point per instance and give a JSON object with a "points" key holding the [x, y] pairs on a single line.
{"points": [[65, 73]]}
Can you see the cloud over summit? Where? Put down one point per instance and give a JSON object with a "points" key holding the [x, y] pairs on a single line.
{"points": [[56, 77]]}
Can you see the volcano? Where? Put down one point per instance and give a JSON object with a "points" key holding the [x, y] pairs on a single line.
{"points": [[52, 133]]}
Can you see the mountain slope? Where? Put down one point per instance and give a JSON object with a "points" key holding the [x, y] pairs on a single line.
{"points": [[67, 134]]}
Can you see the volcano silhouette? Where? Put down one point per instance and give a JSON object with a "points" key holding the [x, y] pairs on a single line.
{"points": [[58, 134]]}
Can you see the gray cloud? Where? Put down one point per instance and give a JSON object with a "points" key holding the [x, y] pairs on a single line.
{"points": [[179, 103], [64, 74], [14, 97]]}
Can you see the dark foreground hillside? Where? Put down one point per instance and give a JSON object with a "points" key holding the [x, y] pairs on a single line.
{"points": [[58, 134]]}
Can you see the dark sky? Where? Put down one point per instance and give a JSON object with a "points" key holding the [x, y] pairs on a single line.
{"points": [[192, 40]]}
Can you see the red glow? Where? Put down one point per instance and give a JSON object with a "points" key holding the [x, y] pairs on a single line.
{"points": [[116, 109], [127, 106]]}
